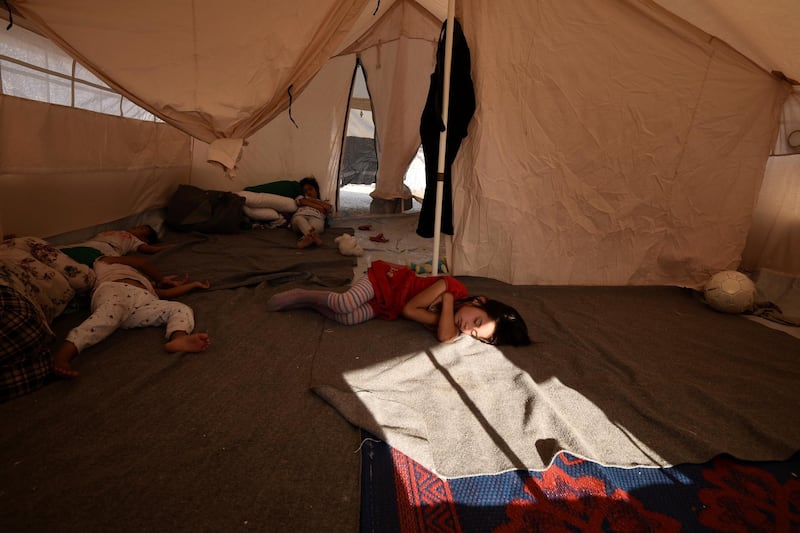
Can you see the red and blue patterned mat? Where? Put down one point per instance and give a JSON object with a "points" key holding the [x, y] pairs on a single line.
{"points": [[574, 494]]}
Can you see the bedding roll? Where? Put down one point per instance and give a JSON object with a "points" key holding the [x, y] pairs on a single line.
{"points": [[261, 214], [279, 203]]}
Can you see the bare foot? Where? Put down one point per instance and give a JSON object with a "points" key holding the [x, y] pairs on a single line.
{"points": [[305, 242], [61, 359], [65, 372], [196, 342], [315, 237]]}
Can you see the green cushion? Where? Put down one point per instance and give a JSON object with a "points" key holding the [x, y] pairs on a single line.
{"points": [[82, 254], [288, 188]]}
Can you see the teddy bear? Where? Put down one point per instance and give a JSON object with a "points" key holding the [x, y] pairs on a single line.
{"points": [[348, 245]]}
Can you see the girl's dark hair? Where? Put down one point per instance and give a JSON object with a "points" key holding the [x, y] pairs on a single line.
{"points": [[510, 328], [152, 234], [312, 181]]}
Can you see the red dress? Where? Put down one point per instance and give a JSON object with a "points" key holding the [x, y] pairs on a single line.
{"points": [[395, 285]]}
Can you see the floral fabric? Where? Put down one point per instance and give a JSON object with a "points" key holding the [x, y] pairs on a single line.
{"points": [[44, 275]]}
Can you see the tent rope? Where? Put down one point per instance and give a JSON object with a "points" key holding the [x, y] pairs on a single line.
{"points": [[289, 90], [10, 16]]}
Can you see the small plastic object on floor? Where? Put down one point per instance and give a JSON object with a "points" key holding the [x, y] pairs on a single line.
{"points": [[379, 238], [427, 267]]}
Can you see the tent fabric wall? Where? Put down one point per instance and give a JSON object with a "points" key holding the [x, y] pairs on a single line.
{"points": [[775, 232], [774, 236], [790, 122], [613, 144], [63, 169]]}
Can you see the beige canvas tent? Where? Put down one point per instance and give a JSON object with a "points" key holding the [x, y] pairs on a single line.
{"points": [[614, 142]]}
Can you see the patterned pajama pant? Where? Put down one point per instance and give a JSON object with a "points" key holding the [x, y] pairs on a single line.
{"points": [[120, 305]]}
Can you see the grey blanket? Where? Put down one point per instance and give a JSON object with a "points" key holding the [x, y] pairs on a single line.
{"points": [[623, 376], [223, 440], [255, 256]]}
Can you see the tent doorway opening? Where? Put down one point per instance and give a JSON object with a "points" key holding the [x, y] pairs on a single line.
{"points": [[359, 168]]}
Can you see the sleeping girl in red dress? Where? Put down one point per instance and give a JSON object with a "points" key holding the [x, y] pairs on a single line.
{"points": [[440, 302]]}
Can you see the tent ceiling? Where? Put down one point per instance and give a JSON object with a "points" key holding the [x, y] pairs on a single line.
{"points": [[766, 32], [438, 8]]}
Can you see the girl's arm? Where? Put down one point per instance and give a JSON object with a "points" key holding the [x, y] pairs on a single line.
{"points": [[316, 204], [180, 290], [153, 248], [447, 330], [421, 307]]}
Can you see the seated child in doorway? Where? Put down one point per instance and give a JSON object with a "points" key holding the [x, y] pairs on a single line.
{"points": [[309, 219], [439, 302], [125, 297]]}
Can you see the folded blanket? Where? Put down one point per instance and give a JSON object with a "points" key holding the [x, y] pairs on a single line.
{"points": [[465, 409]]}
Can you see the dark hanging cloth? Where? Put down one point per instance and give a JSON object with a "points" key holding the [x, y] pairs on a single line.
{"points": [[461, 109]]}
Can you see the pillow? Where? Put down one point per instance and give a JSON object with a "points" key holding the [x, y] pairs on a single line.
{"points": [[43, 274], [277, 202], [288, 188], [264, 214]]}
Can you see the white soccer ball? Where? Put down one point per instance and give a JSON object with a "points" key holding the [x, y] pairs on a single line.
{"points": [[730, 291]]}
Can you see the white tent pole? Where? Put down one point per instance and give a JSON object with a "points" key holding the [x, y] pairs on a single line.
{"points": [[448, 57]]}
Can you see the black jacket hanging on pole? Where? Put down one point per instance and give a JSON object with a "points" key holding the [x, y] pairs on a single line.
{"points": [[461, 109]]}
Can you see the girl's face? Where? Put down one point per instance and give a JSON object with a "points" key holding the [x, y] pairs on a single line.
{"points": [[474, 321], [309, 191]]}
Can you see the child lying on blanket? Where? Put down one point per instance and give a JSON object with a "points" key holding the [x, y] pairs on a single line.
{"points": [[440, 303], [116, 243], [124, 297]]}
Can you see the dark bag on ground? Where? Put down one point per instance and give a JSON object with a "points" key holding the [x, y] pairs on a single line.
{"points": [[195, 209]]}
